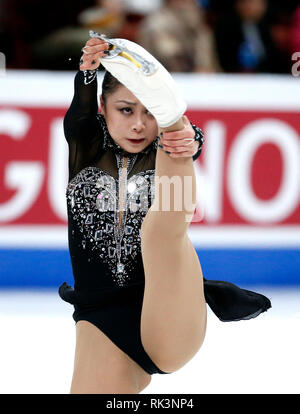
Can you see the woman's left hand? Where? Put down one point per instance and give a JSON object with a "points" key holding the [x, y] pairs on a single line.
{"points": [[180, 143], [93, 50]]}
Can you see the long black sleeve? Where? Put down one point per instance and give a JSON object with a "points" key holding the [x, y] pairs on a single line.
{"points": [[81, 125]]}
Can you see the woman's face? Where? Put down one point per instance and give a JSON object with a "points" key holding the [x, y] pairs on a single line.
{"points": [[129, 122]]}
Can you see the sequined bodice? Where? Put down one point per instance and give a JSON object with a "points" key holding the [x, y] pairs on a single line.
{"points": [[105, 217]]}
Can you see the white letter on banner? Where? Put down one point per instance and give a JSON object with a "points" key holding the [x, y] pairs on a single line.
{"points": [[239, 171], [14, 123], [58, 169], [25, 177], [209, 176]]}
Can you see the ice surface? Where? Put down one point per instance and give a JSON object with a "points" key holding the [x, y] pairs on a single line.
{"points": [[256, 356]]}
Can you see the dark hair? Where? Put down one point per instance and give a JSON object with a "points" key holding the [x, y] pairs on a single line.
{"points": [[109, 85]]}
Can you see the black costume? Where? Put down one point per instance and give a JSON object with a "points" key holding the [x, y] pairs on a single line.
{"points": [[104, 230]]}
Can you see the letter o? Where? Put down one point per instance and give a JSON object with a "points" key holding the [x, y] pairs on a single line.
{"points": [[239, 168]]}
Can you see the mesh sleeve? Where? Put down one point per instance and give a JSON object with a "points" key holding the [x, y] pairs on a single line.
{"points": [[81, 125]]}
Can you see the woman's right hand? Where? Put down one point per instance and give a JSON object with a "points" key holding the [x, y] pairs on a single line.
{"points": [[93, 50]]}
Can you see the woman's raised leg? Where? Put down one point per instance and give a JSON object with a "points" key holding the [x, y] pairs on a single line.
{"points": [[173, 320]]}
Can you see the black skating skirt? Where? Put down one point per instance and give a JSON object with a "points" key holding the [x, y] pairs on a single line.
{"points": [[118, 313]]}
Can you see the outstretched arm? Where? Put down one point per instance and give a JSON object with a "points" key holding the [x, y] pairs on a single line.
{"points": [[81, 125]]}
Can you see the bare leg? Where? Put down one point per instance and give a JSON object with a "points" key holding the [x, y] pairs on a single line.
{"points": [[100, 367], [173, 320]]}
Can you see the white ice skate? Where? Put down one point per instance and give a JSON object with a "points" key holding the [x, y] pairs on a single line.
{"points": [[146, 78]]}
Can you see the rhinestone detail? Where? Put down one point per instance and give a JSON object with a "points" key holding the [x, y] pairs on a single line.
{"points": [[93, 201]]}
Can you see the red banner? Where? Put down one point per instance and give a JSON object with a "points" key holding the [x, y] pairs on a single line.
{"points": [[250, 164]]}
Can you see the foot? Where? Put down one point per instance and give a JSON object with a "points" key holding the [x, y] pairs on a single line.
{"points": [[146, 78]]}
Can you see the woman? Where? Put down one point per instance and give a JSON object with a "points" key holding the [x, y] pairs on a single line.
{"points": [[139, 295]]}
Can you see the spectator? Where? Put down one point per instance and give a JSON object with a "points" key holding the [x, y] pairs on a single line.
{"points": [[115, 18], [177, 35], [105, 16], [244, 40], [295, 31], [281, 31], [25, 22], [135, 12], [54, 50]]}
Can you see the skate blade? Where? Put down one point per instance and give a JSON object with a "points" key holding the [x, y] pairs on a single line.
{"points": [[118, 48]]}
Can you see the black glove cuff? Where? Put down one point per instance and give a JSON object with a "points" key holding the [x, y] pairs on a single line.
{"points": [[89, 76], [199, 137]]}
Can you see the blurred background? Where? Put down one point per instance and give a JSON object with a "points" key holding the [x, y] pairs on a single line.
{"points": [[237, 64]]}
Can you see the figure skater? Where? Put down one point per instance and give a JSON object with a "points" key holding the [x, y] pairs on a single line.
{"points": [[139, 295]]}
